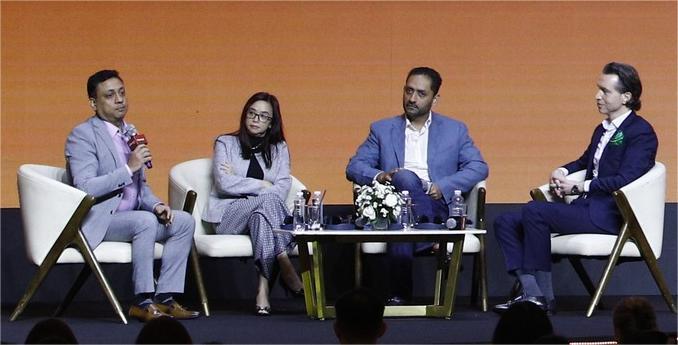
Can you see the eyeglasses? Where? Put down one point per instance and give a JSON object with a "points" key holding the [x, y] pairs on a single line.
{"points": [[263, 117]]}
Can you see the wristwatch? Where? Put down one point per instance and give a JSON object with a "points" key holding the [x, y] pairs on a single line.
{"points": [[575, 189]]}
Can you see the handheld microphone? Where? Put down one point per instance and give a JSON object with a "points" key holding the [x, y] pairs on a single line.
{"points": [[136, 139]]}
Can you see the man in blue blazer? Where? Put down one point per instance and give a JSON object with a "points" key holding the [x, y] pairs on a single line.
{"points": [[623, 148], [101, 163], [425, 153]]}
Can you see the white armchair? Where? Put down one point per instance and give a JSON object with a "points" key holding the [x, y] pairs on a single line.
{"points": [[52, 212], [473, 245], [641, 204], [190, 184]]}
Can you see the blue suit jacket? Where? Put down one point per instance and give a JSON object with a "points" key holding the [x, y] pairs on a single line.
{"points": [[619, 165], [95, 168], [453, 161]]}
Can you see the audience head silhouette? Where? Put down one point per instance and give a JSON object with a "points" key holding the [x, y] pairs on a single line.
{"points": [[635, 321], [164, 330], [51, 331], [522, 323], [360, 317]]}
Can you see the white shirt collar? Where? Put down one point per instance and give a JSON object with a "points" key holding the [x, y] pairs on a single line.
{"points": [[614, 124], [408, 123]]}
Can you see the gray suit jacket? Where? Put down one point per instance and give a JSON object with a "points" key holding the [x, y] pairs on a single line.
{"points": [[95, 168], [227, 188]]}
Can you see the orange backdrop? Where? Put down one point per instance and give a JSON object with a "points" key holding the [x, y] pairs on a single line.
{"points": [[520, 74]]}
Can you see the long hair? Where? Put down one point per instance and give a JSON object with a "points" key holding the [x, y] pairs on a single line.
{"points": [[629, 81], [273, 135]]}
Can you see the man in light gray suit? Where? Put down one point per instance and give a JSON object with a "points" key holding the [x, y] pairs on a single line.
{"points": [[101, 163]]}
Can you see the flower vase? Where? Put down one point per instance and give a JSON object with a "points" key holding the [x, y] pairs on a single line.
{"points": [[381, 223]]}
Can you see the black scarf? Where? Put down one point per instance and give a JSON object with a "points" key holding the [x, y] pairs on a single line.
{"points": [[254, 170]]}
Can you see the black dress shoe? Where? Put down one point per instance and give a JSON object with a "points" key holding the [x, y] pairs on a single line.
{"points": [[262, 310], [396, 301], [539, 301]]}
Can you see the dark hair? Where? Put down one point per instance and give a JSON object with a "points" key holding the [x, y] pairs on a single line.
{"points": [[51, 331], [632, 315], [99, 77], [522, 323], [629, 81], [360, 314], [432, 74], [273, 135], [164, 330]]}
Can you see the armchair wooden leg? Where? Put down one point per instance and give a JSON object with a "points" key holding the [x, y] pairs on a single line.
{"points": [[90, 260], [38, 278], [189, 205], [82, 278], [483, 274], [475, 277], [651, 261], [195, 263], [358, 267], [581, 273], [63, 241], [607, 273]]}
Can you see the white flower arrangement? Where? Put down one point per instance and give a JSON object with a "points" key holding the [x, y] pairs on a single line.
{"points": [[378, 202]]}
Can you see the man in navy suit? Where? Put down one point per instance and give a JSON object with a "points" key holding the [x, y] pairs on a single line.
{"points": [[425, 153], [623, 148]]}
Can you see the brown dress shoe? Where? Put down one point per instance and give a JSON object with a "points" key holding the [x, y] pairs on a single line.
{"points": [[175, 310], [147, 313]]}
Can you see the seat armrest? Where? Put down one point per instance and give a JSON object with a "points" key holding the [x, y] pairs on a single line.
{"points": [[542, 192]]}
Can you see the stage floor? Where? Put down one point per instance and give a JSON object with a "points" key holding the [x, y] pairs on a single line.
{"points": [[234, 322]]}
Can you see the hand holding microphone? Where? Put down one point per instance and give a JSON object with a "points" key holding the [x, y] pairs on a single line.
{"points": [[140, 154]]}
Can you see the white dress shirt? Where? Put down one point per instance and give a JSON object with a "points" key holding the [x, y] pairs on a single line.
{"points": [[416, 150]]}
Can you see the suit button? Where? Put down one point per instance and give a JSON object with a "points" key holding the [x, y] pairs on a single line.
{"points": [[111, 212], [120, 195]]}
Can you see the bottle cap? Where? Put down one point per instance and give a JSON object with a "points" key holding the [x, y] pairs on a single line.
{"points": [[405, 192], [457, 192]]}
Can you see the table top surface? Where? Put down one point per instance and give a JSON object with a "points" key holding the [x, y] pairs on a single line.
{"points": [[385, 233]]}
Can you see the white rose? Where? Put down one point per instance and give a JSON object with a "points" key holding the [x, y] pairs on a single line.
{"points": [[369, 213], [390, 200]]}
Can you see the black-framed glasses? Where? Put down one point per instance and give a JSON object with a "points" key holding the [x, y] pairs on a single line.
{"points": [[263, 116]]}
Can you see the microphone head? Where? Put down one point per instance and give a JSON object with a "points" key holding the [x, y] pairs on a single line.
{"points": [[129, 131]]}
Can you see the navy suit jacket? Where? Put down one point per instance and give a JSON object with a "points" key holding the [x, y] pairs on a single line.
{"points": [[620, 164], [453, 161]]}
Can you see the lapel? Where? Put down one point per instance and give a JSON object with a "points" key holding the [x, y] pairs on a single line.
{"points": [[398, 136], [433, 136], [624, 125], [598, 133], [101, 131]]}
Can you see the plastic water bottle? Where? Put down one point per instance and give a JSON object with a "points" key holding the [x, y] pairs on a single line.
{"points": [[406, 210], [457, 220], [298, 222], [315, 211]]}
